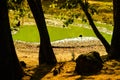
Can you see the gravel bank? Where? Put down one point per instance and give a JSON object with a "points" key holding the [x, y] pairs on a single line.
{"points": [[77, 42]]}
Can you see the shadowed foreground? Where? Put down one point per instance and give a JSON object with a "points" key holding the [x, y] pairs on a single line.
{"points": [[28, 52]]}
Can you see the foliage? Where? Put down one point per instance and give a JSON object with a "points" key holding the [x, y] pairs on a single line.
{"points": [[16, 1], [96, 9], [17, 10], [16, 4], [69, 4], [100, 10], [104, 11]]}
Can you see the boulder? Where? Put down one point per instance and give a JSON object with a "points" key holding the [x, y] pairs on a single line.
{"points": [[89, 63]]}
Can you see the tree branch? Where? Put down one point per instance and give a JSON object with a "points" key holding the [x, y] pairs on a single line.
{"points": [[97, 33]]}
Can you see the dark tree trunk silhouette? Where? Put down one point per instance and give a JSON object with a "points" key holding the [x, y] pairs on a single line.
{"points": [[115, 43], [9, 64], [46, 54], [98, 34], [113, 49]]}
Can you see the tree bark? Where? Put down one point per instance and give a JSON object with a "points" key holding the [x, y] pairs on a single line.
{"points": [[46, 54], [115, 43], [97, 33], [9, 64]]}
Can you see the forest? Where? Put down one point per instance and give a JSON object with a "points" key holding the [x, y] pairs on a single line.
{"points": [[60, 39]]}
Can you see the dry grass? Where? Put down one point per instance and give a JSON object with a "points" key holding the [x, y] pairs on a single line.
{"points": [[29, 53]]}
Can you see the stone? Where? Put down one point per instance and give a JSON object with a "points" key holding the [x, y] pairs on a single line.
{"points": [[89, 63]]}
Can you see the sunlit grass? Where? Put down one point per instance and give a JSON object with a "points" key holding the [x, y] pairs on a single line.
{"points": [[27, 33], [30, 33], [57, 33], [103, 25]]}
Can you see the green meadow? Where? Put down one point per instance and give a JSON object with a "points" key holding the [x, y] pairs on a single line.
{"points": [[29, 33]]}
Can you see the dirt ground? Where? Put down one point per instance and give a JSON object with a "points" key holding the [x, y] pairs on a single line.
{"points": [[28, 52]]}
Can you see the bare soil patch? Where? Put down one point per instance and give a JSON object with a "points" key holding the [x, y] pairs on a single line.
{"points": [[28, 52]]}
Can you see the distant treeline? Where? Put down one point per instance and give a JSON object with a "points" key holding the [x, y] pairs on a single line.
{"points": [[103, 0], [89, 0]]}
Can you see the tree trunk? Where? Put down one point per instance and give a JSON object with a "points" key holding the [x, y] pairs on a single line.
{"points": [[9, 63], [115, 43], [46, 54], [97, 33]]}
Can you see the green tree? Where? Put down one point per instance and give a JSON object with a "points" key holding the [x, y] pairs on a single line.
{"points": [[9, 64], [20, 8], [46, 54]]}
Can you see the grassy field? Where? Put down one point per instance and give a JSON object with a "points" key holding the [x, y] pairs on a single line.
{"points": [[104, 15], [29, 33]]}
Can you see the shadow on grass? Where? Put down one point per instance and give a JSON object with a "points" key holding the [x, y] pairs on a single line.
{"points": [[41, 71]]}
